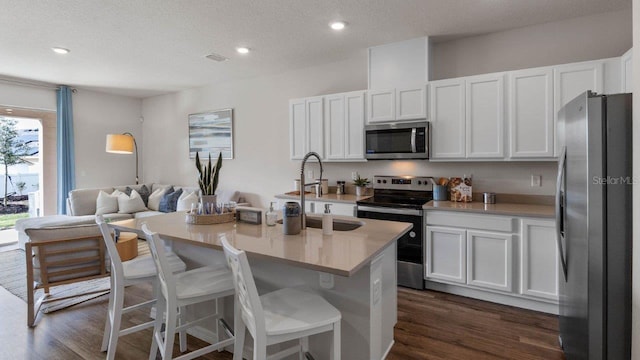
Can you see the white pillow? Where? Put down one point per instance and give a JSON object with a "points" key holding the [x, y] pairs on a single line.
{"points": [[106, 204], [130, 204], [186, 199], [154, 199]]}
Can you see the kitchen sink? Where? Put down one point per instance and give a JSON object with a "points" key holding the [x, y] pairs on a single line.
{"points": [[338, 224]]}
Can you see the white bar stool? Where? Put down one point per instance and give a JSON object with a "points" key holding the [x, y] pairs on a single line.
{"points": [[180, 290], [278, 316], [135, 271]]}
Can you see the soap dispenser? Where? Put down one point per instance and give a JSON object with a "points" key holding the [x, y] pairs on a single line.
{"points": [[327, 221], [271, 216]]}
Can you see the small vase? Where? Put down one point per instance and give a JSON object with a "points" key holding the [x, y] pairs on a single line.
{"points": [[361, 190], [208, 199]]}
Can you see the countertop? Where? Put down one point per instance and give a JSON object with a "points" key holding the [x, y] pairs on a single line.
{"points": [[513, 209], [343, 253], [346, 198]]}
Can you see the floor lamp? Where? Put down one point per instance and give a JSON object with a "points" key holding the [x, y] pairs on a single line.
{"points": [[123, 143]]}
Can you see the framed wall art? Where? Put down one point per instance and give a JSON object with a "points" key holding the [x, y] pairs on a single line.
{"points": [[211, 132]]}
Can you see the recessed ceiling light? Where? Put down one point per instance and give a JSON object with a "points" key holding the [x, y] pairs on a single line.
{"points": [[60, 50], [243, 50], [338, 25]]}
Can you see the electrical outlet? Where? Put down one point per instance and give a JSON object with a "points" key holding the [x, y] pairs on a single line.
{"points": [[354, 175], [536, 180]]}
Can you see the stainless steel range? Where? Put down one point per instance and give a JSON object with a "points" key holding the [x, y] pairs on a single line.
{"points": [[400, 198]]}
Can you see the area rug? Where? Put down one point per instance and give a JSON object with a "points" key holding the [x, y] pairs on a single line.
{"points": [[13, 278]]}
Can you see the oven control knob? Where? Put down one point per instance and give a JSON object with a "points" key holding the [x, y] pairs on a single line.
{"points": [[419, 182], [412, 234], [384, 181], [378, 181]]}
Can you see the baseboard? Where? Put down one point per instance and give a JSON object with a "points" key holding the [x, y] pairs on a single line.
{"points": [[386, 353]]}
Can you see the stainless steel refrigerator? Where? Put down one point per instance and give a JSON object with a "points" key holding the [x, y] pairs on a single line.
{"points": [[593, 214]]}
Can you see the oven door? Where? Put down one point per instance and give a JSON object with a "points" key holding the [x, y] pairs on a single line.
{"points": [[410, 245]]}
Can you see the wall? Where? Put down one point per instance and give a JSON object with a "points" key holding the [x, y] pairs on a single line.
{"points": [[95, 115], [636, 188], [585, 38], [261, 166]]}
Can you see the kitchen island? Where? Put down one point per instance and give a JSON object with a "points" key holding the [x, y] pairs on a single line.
{"points": [[354, 270]]}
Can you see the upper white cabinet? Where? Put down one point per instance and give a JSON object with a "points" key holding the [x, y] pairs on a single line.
{"points": [[485, 116], [398, 73], [626, 65], [331, 125], [447, 119], [539, 259], [306, 126], [530, 113], [467, 116], [344, 123], [571, 80], [411, 103], [382, 105], [398, 104]]}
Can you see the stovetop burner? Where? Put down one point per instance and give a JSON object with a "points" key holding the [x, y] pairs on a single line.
{"points": [[410, 192]]}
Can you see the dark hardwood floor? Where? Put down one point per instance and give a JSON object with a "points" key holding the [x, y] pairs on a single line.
{"points": [[431, 325]]}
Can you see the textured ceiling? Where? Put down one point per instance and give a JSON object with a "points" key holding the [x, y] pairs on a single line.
{"points": [[147, 47]]}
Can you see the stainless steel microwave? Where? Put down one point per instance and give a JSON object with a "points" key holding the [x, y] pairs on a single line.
{"points": [[397, 141]]}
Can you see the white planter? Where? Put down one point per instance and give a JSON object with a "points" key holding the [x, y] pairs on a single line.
{"points": [[361, 190]]}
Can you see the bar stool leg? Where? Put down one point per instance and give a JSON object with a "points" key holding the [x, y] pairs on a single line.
{"points": [[336, 342], [239, 331], [107, 323], [183, 333], [157, 328], [170, 331], [304, 347], [116, 317]]}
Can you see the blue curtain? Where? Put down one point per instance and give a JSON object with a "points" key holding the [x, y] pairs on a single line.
{"points": [[66, 157]]}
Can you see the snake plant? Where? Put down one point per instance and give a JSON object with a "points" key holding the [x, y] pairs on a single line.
{"points": [[208, 175]]}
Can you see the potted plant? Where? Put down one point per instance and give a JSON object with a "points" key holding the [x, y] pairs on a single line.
{"points": [[361, 185], [208, 179]]}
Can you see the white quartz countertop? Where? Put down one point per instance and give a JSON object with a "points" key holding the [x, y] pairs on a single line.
{"points": [[513, 209], [343, 253]]}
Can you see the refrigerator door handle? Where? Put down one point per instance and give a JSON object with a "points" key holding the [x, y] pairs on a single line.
{"points": [[560, 209]]}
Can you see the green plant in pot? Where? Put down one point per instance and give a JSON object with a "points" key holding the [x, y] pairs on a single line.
{"points": [[208, 178], [361, 185]]}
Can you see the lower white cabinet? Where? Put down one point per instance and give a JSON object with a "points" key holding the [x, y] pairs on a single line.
{"points": [[506, 259], [489, 260], [446, 252], [539, 259]]}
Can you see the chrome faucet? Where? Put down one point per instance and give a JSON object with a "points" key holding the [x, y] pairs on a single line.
{"points": [[303, 219]]}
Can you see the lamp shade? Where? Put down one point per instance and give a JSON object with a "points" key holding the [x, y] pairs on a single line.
{"points": [[120, 144]]}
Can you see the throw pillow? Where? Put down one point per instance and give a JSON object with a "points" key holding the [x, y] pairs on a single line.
{"points": [[130, 204], [155, 197], [169, 201], [186, 200], [143, 191], [106, 204]]}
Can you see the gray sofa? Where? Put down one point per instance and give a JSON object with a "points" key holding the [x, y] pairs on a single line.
{"points": [[81, 209]]}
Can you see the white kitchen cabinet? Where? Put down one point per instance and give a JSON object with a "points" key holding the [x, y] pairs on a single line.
{"points": [[381, 105], [485, 116], [569, 81], [447, 119], [411, 103], [344, 126], [539, 259], [489, 260], [531, 123], [446, 254], [398, 104], [627, 66], [306, 129], [354, 125], [334, 121]]}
